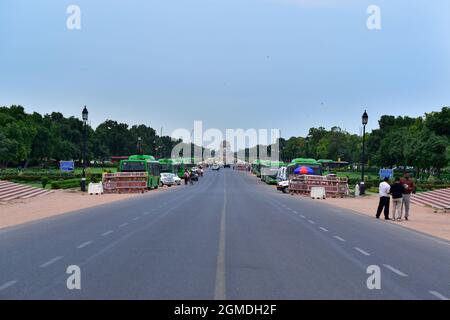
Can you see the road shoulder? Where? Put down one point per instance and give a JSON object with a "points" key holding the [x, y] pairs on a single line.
{"points": [[422, 219]]}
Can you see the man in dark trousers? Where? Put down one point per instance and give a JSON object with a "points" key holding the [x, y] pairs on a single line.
{"points": [[384, 190], [186, 176], [397, 191]]}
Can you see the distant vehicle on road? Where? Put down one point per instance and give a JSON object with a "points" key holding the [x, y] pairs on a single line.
{"points": [[226, 165], [167, 179], [283, 186], [177, 179], [281, 175], [216, 167], [194, 176]]}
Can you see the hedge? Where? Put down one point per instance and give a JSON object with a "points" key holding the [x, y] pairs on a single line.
{"points": [[67, 184], [40, 177]]}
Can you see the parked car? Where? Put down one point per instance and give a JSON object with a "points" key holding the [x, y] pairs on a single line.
{"points": [[216, 167], [283, 186], [177, 179], [167, 179], [194, 175]]}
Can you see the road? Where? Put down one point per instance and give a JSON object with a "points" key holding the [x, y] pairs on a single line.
{"points": [[229, 236]]}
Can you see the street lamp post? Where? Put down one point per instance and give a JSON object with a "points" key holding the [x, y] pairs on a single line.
{"points": [[139, 146], [85, 118], [365, 120]]}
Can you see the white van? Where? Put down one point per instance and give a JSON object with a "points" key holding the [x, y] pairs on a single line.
{"points": [[281, 175]]}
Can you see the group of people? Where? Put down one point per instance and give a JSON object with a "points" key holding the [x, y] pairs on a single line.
{"points": [[400, 191], [190, 175]]}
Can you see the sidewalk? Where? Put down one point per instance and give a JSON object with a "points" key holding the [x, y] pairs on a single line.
{"points": [[422, 219], [25, 210]]}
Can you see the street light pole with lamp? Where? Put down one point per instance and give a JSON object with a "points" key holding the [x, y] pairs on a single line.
{"points": [[84, 115], [365, 120], [140, 146]]}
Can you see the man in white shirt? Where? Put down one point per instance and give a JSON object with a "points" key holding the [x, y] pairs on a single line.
{"points": [[384, 190]]}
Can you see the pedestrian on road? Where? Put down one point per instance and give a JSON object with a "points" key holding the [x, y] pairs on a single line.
{"points": [[186, 177], [397, 190], [410, 187], [190, 177], [384, 189]]}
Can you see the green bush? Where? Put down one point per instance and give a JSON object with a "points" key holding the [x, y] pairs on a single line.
{"points": [[44, 182], [67, 184]]}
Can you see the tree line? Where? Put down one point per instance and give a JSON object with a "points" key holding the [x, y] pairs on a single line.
{"points": [[422, 143], [39, 140], [35, 139]]}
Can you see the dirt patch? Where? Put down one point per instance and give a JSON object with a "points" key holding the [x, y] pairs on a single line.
{"points": [[25, 210]]}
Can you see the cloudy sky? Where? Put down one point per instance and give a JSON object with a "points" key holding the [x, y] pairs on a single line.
{"points": [[288, 64]]}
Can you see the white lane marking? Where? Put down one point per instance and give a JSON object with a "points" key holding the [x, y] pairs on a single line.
{"points": [[136, 218], [220, 285], [302, 216], [289, 209], [106, 233], [323, 229], [295, 211], [401, 274], [49, 262], [7, 284], [146, 213], [312, 222], [438, 295], [362, 251], [85, 244], [123, 225], [340, 239]]}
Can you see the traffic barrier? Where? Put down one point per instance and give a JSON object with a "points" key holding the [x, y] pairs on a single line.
{"points": [[241, 167], [95, 188], [125, 182], [318, 193], [334, 186]]}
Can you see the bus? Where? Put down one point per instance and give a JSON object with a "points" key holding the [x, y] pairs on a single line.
{"points": [[305, 166], [269, 171], [257, 165], [330, 165], [143, 163]]}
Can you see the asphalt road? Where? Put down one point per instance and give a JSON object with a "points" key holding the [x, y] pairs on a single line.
{"points": [[229, 236]]}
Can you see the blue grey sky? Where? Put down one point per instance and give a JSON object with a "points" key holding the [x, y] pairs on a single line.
{"points": [[288, 64]]}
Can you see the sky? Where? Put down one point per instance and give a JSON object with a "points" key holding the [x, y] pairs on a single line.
{"points": [[286, 64]]}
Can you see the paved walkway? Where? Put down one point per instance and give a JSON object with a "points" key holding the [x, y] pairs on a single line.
{"points": [[422, 219]]}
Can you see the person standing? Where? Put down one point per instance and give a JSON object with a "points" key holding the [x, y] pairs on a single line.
{"points": [[397, 190], [384, 189], [410, 188], [186, 177], [191, 173]]}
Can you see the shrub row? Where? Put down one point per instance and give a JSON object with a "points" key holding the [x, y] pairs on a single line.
{"points": [[38, 178], [67, 184]]}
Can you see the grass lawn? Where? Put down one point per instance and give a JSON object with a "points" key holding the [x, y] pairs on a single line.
{"points": [[93, 170], [356, 175]]}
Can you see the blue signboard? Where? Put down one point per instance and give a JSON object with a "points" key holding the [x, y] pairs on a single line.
{"points": [[386, 173], [66, 166]]}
